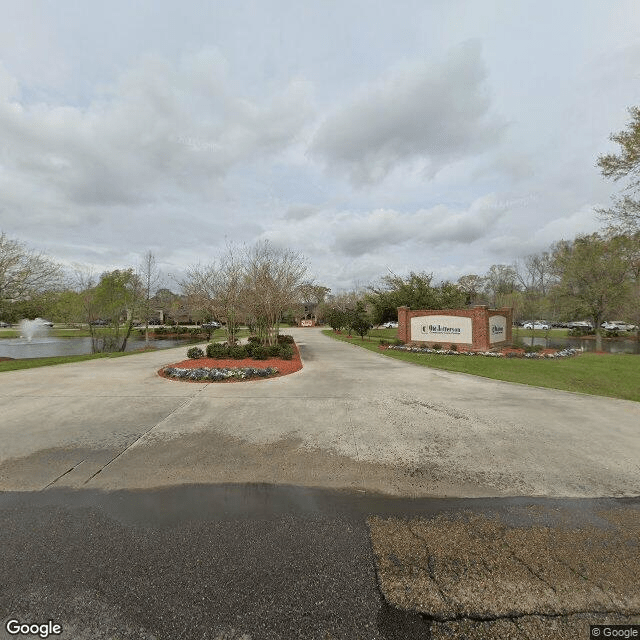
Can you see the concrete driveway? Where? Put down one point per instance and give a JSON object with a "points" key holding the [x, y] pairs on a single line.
{"points": [[350, 419]]}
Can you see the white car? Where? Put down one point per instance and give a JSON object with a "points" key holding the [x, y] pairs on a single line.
{"points": [[390, 325], [42, 321], [536, 325], [618, 325]]}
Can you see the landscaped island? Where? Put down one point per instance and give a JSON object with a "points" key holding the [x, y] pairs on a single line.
{"points": [[223, 362]]}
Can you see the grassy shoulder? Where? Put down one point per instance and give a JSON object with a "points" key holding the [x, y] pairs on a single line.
{"points": [[32, 363], [612, 375]]}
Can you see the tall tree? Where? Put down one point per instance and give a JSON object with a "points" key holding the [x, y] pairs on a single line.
{"points": [[625, 165], [415, 291], [500, 283], [273, 282], [593, 276], [149, 276], [116, 298]]}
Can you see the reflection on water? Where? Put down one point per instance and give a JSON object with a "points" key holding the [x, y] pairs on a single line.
{"points": [[586, 344], [43, 347]]}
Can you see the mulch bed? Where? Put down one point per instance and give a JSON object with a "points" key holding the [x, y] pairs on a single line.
{"points": [[284, 367]]}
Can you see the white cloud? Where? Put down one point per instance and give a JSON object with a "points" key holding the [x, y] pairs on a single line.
{"points": [[437, 113], [161, 127]]}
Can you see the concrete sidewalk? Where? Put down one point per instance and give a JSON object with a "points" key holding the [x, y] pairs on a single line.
{"points": [[349, 419]]}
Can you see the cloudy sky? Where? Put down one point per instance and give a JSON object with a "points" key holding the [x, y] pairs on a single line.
{"points": [[369, 135]]}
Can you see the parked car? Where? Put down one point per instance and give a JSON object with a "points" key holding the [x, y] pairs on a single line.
{"points": [[4, 325], [99, 323], [538, 324], [618, 325], [390, 325], [43, 322], [579, 324], [211, 325]]}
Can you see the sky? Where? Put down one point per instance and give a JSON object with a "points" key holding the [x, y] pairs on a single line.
{"points": [[370, 136]]}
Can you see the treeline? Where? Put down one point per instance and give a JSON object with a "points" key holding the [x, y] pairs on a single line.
{"points": [[255, 286], [594, 277]]}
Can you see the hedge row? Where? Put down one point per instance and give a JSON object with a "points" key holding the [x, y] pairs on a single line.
{"points": [[222, 350]]}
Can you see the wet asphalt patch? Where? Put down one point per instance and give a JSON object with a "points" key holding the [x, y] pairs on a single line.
{"points": [[232, 562]]}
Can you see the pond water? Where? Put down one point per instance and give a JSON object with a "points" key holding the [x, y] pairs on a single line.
{"points": [[619, 345], [44, 347]]}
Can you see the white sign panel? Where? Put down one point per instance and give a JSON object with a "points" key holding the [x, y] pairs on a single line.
{"points": [[442, 329], [497, 329]]}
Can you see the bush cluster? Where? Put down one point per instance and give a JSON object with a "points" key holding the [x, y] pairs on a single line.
{"points": [[222, 350], [579, 332], [195, 353]]}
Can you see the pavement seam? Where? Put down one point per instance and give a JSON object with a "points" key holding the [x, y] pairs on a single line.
{"points": [[187, 401], [62, 475]]}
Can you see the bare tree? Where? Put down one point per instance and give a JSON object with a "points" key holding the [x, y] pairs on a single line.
{"points": [[149, 276], [273, 281], [216, 289], [24, 273]]}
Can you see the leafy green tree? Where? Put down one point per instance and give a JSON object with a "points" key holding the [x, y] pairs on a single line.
{"points": [[336, 318], [593, 273], [359, 320], [415, 291], [471, 285], [625, 212], [117, 299]]}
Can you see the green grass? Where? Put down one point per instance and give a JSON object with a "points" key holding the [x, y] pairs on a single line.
{"points": [[612, 375], [32, 363]]}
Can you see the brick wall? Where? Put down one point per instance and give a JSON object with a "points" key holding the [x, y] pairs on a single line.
{"points": [[481, 338]]}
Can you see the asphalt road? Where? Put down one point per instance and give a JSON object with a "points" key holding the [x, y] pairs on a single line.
{"points": [[138, 507]]}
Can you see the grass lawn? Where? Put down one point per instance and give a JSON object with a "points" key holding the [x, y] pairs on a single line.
{"points": [[32, 363], [613, 375]]}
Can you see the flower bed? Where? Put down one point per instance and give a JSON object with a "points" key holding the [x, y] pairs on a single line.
{"points": [[230, 370], [507, 353]]}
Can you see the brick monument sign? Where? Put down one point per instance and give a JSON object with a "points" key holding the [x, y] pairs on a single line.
{"points": [[475, 329]]}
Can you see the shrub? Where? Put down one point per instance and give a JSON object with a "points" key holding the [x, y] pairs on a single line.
{"points": [[383, 341], [397, 342], [437, 347], [254, 339], [579, 332], [533, 348], [195, 353], [238, 352], [286, 352], [285, 339], [274, 350], [216, 350], [260, 352], [611, 333], [453, 347]]}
